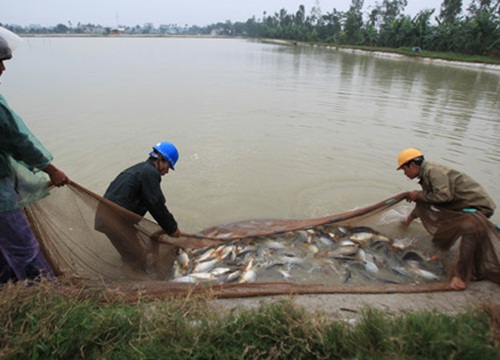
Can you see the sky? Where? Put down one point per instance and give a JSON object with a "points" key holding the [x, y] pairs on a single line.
{"points": [[180, 12]]}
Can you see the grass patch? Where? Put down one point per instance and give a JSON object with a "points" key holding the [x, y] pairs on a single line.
{"points": [[48, 322], [450, 56]]}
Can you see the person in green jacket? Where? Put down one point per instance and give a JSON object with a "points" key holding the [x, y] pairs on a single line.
{"points": [[22, 159], [457, 195]]}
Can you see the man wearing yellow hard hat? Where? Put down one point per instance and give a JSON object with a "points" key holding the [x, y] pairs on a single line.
{"points": [[454, 206]]}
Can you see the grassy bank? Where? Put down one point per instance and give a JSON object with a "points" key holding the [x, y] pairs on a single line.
{"points": [[448, 56], [45, 322], [441, 55]]}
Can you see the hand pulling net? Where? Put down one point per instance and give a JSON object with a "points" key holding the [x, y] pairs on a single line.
{"points": [[92, 240]]}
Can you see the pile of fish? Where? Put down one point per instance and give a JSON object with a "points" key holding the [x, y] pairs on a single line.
{"points": [[327, 254]]}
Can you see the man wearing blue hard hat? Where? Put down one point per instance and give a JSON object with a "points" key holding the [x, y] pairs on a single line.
{"points": [[137, 189]]}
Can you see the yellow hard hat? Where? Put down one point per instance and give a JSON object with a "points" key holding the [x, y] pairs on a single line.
{"points": [[407, 155]]}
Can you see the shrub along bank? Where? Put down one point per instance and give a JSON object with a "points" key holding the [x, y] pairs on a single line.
{"points": [[49, 321]]}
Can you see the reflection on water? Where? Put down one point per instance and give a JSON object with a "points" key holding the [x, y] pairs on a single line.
{"points": [[264, 130]]}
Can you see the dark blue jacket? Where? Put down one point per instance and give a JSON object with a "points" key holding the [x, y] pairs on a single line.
{"points": [[138, 190]]}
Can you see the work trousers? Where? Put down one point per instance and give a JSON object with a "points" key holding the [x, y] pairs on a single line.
{"points": [[20, 254]]}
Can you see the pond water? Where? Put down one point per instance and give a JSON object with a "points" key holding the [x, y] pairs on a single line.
{"points": [[264, 130]]}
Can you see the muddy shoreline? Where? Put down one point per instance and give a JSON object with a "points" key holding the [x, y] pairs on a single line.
{"points": [[349, 306], [421, 58]]}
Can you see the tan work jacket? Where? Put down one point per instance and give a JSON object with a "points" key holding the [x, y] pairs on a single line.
{"points": [[452, 189]]}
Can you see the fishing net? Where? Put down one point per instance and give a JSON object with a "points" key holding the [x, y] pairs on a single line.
{"points": [[478, 236], [95, 242]]}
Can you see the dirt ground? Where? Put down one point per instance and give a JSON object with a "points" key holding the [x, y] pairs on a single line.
{"points": [[348, 306]]}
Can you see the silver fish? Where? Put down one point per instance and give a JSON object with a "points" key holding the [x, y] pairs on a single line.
{"points": [[311, 248], [207, 255], [286, 275], [367, 262], [185, 279], [291, 260], [273, 245], [249, 275], [342, 251], [361, 237], [203, 276], [360, 256], [218, 271], [343, 230], [183, 259], [205, 266], [326, 240], [424, 273], [380, 237], [195, 278], [178, 271], [401, 271], [346, 242], [249, 250], [224, 251], [304, 236], [370, 267], [198, 252], [233, 276], [402, 243]]}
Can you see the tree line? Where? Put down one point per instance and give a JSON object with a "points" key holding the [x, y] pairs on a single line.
{"points": [[475, 31]]}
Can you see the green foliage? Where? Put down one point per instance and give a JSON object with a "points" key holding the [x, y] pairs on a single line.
{"points": [[442, 337], [475, 33], [387, 26], [48, 323], [450, 11]]}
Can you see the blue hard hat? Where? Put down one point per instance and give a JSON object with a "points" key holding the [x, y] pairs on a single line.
{"points": [[168, 151]]}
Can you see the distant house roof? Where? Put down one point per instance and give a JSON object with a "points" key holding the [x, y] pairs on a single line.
{"points": [[116, 31]]}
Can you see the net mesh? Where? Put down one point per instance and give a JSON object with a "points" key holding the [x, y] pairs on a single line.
{"points": [[470, 233], [93, 241]]}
